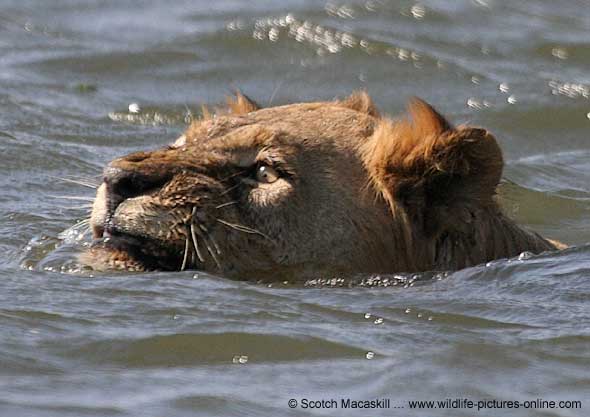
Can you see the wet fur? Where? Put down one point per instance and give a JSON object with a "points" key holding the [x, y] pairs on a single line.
{"points": [[359, 193]]}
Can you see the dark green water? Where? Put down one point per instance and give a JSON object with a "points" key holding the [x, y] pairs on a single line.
{"points": [[187, 344]]}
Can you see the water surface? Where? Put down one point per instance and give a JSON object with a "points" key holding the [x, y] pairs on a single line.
{"points": [[74, 343]]}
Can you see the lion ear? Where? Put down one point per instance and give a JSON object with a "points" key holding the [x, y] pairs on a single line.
{"points": [[425, 119], [240, 104], [361, 102], [428, 167], [237, 104]]}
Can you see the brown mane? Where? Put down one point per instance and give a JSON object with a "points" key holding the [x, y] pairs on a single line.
{"points": [[441, 182]]}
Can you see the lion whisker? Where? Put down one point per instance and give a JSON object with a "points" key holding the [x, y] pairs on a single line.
{"points": [[194, 235], [196, 244], [204, 236], [83, 206], [96, 179], [69, 197], [212, 239], [237, 174], [211, 252], [230, 189], [275, 91], [186, 251], [229, 203], [204, 229], [79, 182], [242, 228]]}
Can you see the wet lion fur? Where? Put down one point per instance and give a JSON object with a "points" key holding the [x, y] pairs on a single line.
{"points": [[357, 192]]}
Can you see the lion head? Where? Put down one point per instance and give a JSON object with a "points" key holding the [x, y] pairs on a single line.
{"points": [[308, 189]]}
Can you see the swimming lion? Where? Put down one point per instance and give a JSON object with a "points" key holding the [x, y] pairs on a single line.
{"points": [[306, 190]]}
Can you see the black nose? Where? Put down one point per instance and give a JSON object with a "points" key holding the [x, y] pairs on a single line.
{"points": [[124, 183]]}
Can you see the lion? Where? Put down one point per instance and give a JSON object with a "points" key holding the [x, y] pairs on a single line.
{"points": [[305, 190]]}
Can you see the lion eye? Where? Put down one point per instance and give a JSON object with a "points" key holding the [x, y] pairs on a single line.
{"points": [[266, 174]]}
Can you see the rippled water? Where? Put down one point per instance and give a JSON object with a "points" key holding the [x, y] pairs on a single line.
{"points": [[173, 344]]}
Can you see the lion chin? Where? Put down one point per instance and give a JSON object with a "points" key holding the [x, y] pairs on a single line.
{"points": [[307, 190]]}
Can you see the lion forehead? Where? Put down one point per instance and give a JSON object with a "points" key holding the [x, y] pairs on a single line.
{"points": [[303, 122]]}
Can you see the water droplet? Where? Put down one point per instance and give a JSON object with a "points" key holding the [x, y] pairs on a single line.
{"points": [[371, 6], [418, 11], [403, 55], [273, 34], [345, 12], [240, 359], [347, 40], [474, 103], [134, 108], [524, 256], [370, 355], [559, 52]]}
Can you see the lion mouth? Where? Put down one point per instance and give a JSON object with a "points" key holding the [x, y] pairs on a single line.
{"points": [[132, 252], [117, 248]]}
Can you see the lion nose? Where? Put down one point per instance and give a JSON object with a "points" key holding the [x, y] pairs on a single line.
{"points": [[125, 180], [124, 184]]}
